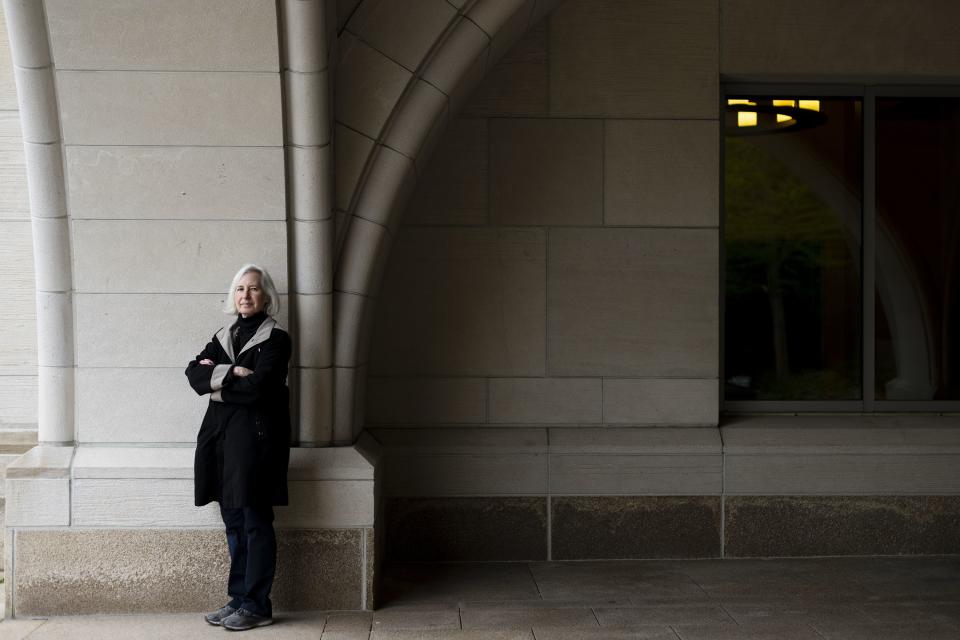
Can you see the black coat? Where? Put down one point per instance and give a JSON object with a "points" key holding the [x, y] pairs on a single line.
{"points": [[243, 447]]}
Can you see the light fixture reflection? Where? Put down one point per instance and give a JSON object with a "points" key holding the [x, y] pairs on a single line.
{"points": [[755, 116], [784, 103]]}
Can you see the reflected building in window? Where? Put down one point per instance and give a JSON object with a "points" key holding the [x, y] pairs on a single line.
{"points": [[793, 202], [797, 282]]}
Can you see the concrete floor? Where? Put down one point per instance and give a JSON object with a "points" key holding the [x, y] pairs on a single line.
{"points": [[852, 599]]}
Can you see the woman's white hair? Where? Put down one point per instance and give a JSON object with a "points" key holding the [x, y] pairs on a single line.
{"points": [[272, 304]]}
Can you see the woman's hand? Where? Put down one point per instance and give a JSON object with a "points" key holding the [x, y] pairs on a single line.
{"points": [[207, 361], [241, 372]]}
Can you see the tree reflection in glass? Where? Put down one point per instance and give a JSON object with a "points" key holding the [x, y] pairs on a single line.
{"points": [[792, 239]]}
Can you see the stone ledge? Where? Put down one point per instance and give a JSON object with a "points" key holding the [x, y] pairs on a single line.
{"points": [[327, 463], [133, 462], [150, 502], [639, 440], [549, 439], [841, 475], [42, 461], [642, 461], [753, 455], [891, 434], [841, 455], [147, 487], [465, 474], [584, 460], [636, 474], [463, 440], [172, 463]]}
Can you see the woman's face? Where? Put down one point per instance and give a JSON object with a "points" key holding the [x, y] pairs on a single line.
{"points": [[248, 296]]}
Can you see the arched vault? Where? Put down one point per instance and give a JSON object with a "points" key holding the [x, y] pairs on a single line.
{"points": [[403, 71]]}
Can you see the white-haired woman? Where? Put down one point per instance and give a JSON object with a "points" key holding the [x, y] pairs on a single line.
{"points": [[244, 442]]}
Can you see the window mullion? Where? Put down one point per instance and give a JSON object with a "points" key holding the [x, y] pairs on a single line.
{"points": [[868, 248]]}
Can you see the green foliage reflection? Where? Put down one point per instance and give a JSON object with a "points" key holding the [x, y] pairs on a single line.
{"points": [[784, 245]]}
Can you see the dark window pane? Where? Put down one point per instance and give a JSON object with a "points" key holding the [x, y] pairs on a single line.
{"points": [[918, 249], [793, 220]]}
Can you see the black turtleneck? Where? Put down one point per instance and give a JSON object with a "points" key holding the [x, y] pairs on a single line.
{"points": [[245, 328]]}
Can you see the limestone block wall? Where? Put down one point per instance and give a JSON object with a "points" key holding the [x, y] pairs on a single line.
{"points": [[173, 154], [888, 40], [559, 261], [547, 331], [558, 264], [546, 345]]}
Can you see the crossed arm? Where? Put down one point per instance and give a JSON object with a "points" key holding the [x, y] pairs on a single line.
{"points": [[237, 370], [238, 384]]}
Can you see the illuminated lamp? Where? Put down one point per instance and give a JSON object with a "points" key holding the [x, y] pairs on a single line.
{"points": [[759, 116]]}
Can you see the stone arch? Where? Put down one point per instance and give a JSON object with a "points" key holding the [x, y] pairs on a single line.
{"points": [[427, 74]]}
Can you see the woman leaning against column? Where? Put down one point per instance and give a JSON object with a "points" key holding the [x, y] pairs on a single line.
{"points": [[244, 442]]}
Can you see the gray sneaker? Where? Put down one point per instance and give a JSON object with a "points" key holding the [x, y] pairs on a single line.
{"points": [[241, 620], [217, 617]]}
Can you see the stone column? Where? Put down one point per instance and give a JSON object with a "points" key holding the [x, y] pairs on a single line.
{"points": [[306, 51], [26, 25]]}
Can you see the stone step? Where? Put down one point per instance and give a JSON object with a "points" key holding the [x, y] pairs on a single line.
{"points": [[14, 442]]}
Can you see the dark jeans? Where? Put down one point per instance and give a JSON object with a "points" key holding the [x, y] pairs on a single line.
{"points": [[253, 557]]}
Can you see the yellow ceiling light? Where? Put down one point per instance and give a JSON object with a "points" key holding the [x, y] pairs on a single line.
{"points": [[784, 103], [766, 115]]}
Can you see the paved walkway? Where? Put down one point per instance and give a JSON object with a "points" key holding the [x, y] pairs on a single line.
{"points": [[819, 599]]}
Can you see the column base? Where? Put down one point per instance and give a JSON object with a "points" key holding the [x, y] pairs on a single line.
{"points": [[178, 570], [114, 530]]}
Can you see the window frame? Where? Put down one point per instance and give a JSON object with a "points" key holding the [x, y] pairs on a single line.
{"points": [[868, 94]]}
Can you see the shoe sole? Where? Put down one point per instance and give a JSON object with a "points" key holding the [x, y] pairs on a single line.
{"points": [[262, 623]]}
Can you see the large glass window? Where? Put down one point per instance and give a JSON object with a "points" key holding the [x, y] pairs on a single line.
{"points": [[918, 249], [842, 229], [793, 201]]}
